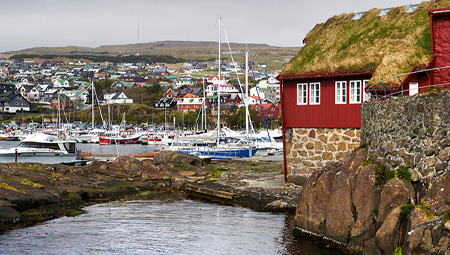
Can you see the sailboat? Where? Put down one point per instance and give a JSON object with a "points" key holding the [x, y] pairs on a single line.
{"points": [[217, 150], [122, 136]]}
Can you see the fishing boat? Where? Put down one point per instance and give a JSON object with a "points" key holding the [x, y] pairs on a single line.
{"points": [[40, 148], [91, 136], [121, 137]]}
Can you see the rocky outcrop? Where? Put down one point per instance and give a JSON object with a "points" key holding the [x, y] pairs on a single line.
{"points": [[342, 204]]}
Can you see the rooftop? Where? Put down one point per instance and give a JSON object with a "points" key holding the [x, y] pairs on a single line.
{"points": [[385, 45]]}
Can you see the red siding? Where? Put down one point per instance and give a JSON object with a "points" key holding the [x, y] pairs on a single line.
{"points": [[325, 115], [441, 43]]}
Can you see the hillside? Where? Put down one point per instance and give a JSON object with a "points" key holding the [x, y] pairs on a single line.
{"points": [[173, 48], [183, 51]]}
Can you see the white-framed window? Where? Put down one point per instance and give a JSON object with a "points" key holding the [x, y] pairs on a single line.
{"points": [[341, 92], [302, 94], [366, 96], [314, 93], [355, 92]]}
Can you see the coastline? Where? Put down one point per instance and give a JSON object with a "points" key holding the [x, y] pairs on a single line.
{"points": [[35, 193]]}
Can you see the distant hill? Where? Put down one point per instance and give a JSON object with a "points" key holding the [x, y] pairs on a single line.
{"points": [[162, 51], [149, 47], [180, 44]]}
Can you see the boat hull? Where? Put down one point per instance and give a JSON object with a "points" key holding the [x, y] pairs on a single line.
{"points": [[231, 153], [37, 157], [111, 140]]}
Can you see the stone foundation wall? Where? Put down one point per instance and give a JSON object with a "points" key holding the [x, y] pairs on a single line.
{"points": [[309, 149], [412, 131]]}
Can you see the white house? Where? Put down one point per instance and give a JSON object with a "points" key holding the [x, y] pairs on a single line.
{"points": [[254, 93], [58, 83], [34, 94], [117, 98], [185, 81], [212, 89], [215, 80]]}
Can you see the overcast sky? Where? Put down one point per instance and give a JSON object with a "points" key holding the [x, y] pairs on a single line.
{"points": [[38, 23]]}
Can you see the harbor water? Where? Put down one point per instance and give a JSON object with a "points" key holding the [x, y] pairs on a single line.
{"points": [[112, 149], [162, 224]]}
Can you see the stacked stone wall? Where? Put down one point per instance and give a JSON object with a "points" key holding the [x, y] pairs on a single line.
{"points": [[411, 131], [310, 149]]}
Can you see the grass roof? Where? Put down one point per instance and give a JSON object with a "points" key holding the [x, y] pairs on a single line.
{"points": [[389, 45], [441, 4]]}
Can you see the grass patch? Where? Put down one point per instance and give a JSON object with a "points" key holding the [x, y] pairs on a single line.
{"points": [[26, 182], [178, 166], [404, 174], [398, 251], [383, 175], [217, 172], [252, 164], [32, 167], [425, 208], [75, 212], [96, 190], [367, 162], [32, 212], [6, 186], [73, 196], [446, 217], [375, 213], [362, 146], [406, 209]]}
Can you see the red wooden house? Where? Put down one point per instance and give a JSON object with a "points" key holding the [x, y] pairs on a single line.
{"points": [[323, 87], [269, 111], [187, 104]]}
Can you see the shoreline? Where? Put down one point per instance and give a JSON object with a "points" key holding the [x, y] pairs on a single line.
{"points": [[36, 193]]}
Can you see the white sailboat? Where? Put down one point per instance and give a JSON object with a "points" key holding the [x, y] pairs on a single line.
{"points": [[218, 150]]}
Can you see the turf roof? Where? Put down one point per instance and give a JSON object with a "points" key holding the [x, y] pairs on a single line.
{"points": [[389, 45], [441, 4]]}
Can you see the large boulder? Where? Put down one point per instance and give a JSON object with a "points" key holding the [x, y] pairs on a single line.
{"points": [[388, 234], [366, 200], [395, 192], [325, 203], [340, 218], [165, 157], [310, 213], [439, 195]]}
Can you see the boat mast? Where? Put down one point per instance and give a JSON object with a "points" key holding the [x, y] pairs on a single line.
{"points": [[218, 89], [204, 106], [59, 114], [246, 106], [92, 85]]}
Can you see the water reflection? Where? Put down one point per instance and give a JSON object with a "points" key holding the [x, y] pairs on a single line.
{"points": [[162, 224]]}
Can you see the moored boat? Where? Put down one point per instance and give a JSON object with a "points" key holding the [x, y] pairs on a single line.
{"points": [[122, 137], [40, 148]]}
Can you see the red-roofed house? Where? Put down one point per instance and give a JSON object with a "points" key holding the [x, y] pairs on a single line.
{"points": [[270, 110], [187, 104]]}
